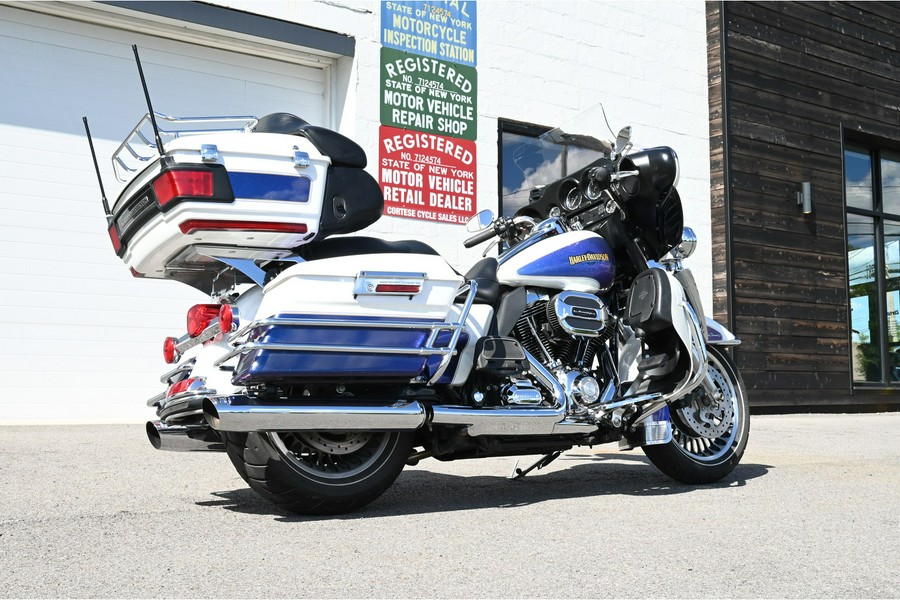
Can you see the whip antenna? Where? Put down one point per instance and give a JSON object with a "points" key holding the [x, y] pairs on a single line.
{"points": [[103, 199], [137, 58]]}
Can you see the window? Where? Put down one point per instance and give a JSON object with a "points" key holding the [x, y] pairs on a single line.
{"points": [[527, 160], [872, 192]]}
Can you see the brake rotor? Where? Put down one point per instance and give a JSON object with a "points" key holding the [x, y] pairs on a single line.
{"points": [[336, 443], [705, 416]]}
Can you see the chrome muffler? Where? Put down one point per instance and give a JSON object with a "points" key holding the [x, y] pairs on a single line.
{"points": [[184, 438], [242, 413]]}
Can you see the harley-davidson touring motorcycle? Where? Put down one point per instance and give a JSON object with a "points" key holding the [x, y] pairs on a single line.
{"points": [[323, 362]]}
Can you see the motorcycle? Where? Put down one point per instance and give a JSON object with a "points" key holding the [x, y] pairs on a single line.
{"points": [[324, 362]]}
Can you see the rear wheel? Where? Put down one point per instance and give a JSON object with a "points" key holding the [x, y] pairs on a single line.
{"points": [[318, 473], [709, 431]]}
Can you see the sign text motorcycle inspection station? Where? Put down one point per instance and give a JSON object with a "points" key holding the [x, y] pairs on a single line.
{"points": [[429, 111]]}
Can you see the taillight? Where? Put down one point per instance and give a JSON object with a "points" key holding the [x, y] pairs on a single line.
{"points": [[170, 350], [194, 225], [226, 318], [114, 237], [200, 316], [184, 385], [392, 288], [183, 183]]}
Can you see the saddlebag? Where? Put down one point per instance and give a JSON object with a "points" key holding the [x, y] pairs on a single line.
{"points": [[335, 320]]}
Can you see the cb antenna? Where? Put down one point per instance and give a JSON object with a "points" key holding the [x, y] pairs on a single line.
{"points": [[109, 215], [137, 58]]}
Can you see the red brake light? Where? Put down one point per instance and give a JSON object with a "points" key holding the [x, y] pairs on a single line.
{"points": [[199, 317], [183, 386], [226, 318], [194, 225], [114, 237], [391, 288], [178, 184], [170, 351]]}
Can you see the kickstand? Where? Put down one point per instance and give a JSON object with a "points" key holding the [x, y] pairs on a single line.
{"points": [[540, 464]]}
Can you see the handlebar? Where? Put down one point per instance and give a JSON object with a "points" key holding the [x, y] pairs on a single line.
{"points": [[481, 236]]}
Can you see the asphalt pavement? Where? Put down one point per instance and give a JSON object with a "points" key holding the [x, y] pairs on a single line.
{"points": [[813, 511]]}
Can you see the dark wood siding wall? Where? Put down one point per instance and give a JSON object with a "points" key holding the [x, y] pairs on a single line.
{"points": [[787, 80]]}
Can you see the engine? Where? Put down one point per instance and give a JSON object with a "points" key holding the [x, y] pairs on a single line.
{"points": [[565, 330]]}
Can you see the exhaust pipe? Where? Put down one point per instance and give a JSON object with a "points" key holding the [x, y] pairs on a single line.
{"points": [[506, 420], [184, 438], [242, 413]]}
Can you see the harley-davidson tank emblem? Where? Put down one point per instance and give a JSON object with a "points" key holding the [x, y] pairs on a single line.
{"points": [[589, 257]]}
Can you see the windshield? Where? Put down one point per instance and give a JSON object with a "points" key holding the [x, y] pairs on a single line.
{"points": [[530, 161]]}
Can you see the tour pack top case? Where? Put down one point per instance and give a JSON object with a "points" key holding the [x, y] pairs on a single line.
{"points": [[237, 188]]}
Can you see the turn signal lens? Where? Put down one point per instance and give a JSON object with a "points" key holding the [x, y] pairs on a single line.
{"points": [[200, 316], [170, 350], [180, 184], [226, 318]]}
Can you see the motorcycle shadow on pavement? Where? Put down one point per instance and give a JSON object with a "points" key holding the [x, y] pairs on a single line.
{"points": [[423, 489]]}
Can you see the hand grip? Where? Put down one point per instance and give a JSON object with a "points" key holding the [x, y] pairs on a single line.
{"points": [[481, 236]]}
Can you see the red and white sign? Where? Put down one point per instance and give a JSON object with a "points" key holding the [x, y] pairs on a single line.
{"points": [[426, 176]]}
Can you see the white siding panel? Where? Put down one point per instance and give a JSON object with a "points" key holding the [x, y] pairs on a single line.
{"points": [[80, 339]]}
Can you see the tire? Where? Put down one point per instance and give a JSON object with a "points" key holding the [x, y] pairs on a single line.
{"points": [[319, 473], [698, 459]]}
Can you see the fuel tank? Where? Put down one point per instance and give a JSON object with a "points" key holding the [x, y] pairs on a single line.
{"points": [[576, 260]]}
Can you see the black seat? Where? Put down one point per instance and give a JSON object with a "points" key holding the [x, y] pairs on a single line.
{"points": [[342, 150], [484, 274]]}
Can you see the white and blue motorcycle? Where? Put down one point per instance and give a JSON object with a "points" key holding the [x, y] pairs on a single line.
{"points": [[323, 364]]}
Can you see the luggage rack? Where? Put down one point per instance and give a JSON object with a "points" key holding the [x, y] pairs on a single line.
{"points": [[140, 147]]}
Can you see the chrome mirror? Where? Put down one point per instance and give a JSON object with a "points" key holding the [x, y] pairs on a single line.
{"points": [[480, 221], [623, 140]]}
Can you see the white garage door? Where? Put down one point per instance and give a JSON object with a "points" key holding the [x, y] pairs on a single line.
{"points": [[80, 339]]}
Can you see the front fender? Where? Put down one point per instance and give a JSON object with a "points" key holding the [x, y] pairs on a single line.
{"points": [[719, 335]]}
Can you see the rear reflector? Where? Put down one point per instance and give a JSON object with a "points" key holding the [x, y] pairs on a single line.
{"points": [[170, 351], [199, 317], [182, 183], [114, 237], [194, 225]]}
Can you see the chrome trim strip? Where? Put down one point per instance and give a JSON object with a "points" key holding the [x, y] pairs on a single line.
{"points": [[185, 366]]}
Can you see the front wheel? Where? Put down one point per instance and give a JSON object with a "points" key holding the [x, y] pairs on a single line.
{"points": [[709, 433], [319, 473]]}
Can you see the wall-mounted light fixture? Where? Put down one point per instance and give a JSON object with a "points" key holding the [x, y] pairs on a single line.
{"points": [[804, 197]]}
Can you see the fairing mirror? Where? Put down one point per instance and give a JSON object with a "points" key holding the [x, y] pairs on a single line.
{"points": [[480, 221]]}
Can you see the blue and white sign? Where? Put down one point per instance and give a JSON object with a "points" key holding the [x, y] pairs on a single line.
{"points": [[441, 29]]}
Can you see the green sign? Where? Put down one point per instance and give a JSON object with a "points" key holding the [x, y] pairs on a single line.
{"points": [[428, 94]]}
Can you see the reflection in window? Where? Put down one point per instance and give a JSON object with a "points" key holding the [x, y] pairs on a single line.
{"points": [[873, 259]]}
